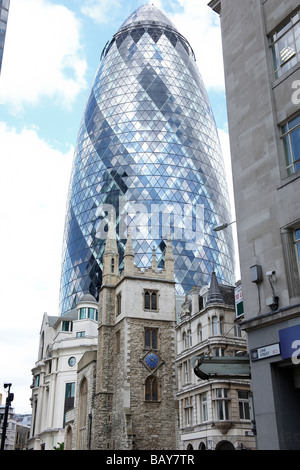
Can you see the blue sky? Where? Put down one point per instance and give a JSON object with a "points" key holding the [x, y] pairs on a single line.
{"points": [[52, 52]]}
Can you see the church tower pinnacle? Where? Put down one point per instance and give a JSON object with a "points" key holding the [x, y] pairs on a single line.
{"points": [[111, 256]]}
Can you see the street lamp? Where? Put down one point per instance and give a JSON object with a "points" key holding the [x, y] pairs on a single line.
{"points": [[9, 399], [223, 226]]}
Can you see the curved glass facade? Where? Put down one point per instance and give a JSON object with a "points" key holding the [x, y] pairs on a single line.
{"points": [[148, 149]]}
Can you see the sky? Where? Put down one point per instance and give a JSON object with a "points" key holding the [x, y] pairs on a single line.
{"points": [[51, 55]]}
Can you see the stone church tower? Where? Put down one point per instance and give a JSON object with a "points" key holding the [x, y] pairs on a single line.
{"points": [[134, 403]]}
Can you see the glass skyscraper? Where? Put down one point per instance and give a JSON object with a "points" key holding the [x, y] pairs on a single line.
{"points": [[148, 150], [4, 7]]}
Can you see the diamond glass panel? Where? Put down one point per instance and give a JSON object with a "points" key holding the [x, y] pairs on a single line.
{"points": [[148, 148]]}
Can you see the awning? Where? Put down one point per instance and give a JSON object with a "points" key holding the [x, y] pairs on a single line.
{"points": [[222, 367]]}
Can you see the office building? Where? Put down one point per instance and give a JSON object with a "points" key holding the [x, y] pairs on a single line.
{"points": [[147, 148], [261, 59]]}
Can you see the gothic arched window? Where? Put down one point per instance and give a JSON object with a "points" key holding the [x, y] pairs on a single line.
{"points": [[150, 300], [151, 389]]}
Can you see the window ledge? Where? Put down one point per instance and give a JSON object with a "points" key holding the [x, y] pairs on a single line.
{"points": [[282, 78], [289, 180]]}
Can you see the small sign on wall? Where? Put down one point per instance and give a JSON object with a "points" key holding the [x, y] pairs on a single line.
{"points": [[264, 352]]}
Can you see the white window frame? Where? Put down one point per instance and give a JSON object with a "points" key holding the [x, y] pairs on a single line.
{"points": [[244, 406], [204, 407], [221, 400]]}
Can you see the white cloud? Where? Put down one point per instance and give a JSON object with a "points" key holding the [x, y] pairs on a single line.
{"points": [[34, 181], [101, 10], [42, 55], [200, 26]]}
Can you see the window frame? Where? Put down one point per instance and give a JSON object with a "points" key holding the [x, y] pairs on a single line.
{"points": [[290, 160], [204, 407], [297, 247], [244, 405], [66, 326], [186, 372], [221, 404], [118, 341], [285, 30], [200, 333], [153, 338], [151, 394], [119, 303], [291, 257], [153, 305], [188, 411]]}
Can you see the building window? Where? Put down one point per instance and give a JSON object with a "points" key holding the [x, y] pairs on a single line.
{"points": [[67, 326], [112, 265], [244, 408], [297, 244], [150, 300], [186, 372], [219, 352], [290, 134], [285, 45], [204, 407], [290, 242], [188, 411], [69, 398], [151, 389], [82, 415], [189, 338], [118, 341], [119, 304], [88, 312], [83, 313], [237, 330], [92, 313], [80, 334], [221, 404], [221, 325], [214, 325], [184, 340], [199, 333], [150, 338], [72, 361]]}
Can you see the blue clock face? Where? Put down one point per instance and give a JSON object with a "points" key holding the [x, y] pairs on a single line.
{"points": [[151, 360]]}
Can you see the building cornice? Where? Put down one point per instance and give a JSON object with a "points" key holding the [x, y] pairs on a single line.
{"points": [[271, 318], [215, 5]]}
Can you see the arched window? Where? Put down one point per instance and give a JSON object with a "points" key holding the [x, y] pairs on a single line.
{"points": [[199, 333], [221, 325], [69, 438], [151, 389], [150, 338], [150, 300], [153, 301], [112, 265], [184, 340], [189, 338], [215, 325], [82, 415], [42, 344], [147, 300]]}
